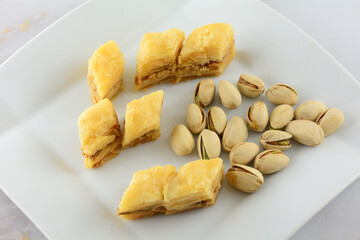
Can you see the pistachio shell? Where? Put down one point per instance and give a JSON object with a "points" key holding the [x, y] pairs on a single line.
{"points": [[181, 140], [280, 116], [305, 132], [243, 153], [195, 118], [244, 178], [250, 85], [309, 110], [275, 139], [208, 144], [235, 132], [204, 92], [258, 116], [281, 94], [230, 97], [330, 120], [271, 161], [216, 120]]}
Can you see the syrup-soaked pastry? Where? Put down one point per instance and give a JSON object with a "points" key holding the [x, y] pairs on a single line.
{"points": [[195, 185], [207, 51], [157, 56], [162, 57], [163, 190], [99, 133], [105, 72], [144, 196], [142, 119]]}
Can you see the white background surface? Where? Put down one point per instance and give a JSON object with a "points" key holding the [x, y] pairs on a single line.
{"points": [[334, 24]]}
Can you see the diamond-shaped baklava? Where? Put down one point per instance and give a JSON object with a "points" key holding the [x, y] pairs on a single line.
{"points": [[207, 51], [142, 119], [195, 185], [156, 59], [144, 196], [163, 190], [99, 133], [162, 56], [105, 73]]}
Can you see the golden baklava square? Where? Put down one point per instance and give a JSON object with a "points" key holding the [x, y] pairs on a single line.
{"points": [[144, 195], [142, 119], [157, 56], [163, 190], [195, 185], [99, 133], [207, 51], [105, 72]]}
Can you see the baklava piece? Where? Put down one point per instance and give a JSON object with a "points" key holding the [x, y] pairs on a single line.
{"points": [[105, 73], [195, 185], [206, 52], [157, 57], [144, 196], [99, 133], [163, 190], [142, 119]]}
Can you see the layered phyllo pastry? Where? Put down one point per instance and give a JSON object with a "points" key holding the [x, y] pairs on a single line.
{"points": [[162, 57], [105, 72], [157, 57], [207, 51], [99, 133], [142, 119], [163, 190]]}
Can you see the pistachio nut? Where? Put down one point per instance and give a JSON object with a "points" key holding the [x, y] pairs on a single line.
{"points": [[309, 110], [230, 97], [243, 153], [282, 94], [250, 85], [275, 139], [280, 116], [195, 118], [330, 120], [208, 144], [258, 116], [216, 120], [305, 132], [181, 140], [204, 92], [271, 161], [235, 132], [244, 178]]}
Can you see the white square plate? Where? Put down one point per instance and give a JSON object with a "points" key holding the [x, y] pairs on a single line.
{"points": [[44, 89]]}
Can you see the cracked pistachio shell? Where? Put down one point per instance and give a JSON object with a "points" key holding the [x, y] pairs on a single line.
{"points": [[243, 153], [204, 92], [280, 116], [275, 139], [330, 120], [250, 85], [309, 110], [244, 178], [271, 161], [208, 144], [305, 132], [181, 140], [195, 118], [216, 120], [230, 97], [235, 132], [258, 116], [282, 94]]}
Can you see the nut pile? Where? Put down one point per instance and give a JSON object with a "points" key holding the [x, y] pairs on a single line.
{"points": [[308, 125]]}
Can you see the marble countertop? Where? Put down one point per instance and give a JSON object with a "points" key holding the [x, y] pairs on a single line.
{"points": [[334, 24]]}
